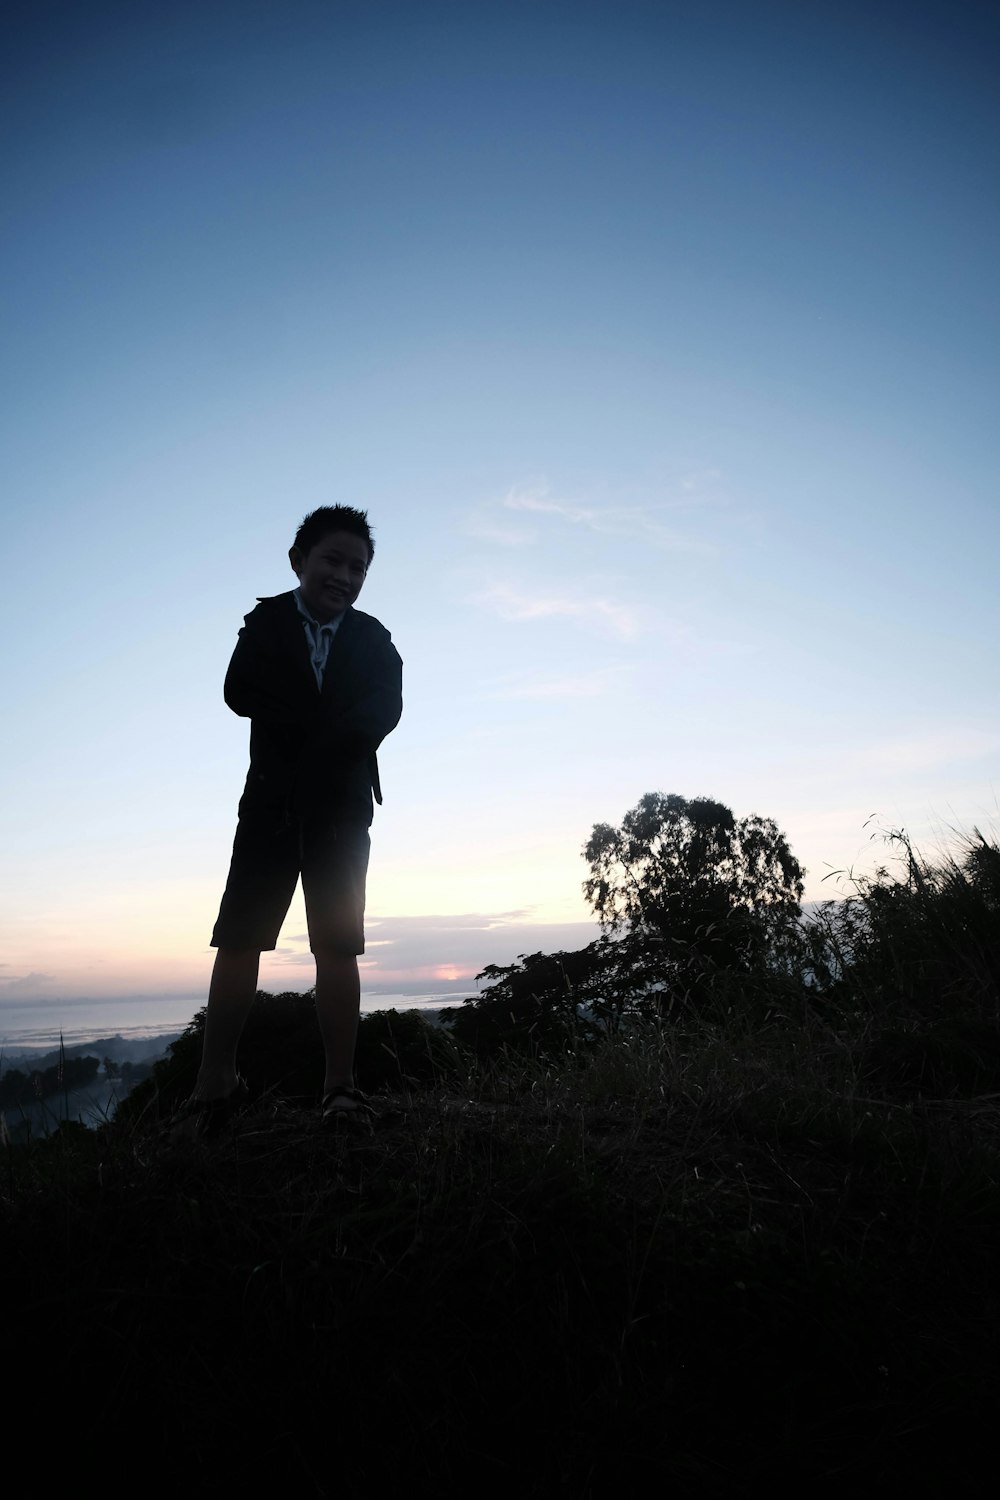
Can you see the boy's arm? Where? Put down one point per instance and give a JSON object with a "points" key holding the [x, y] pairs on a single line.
{"points": [[258, 686], [360, 729]]}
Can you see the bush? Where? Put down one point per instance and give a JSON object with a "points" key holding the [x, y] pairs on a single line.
{"points": [[922, 945], [281, 1053]]}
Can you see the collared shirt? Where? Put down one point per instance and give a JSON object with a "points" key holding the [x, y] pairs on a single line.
{"points": [[319, 636]]}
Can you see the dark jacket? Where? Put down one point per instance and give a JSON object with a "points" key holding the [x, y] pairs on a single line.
{"points": [[312, 753]]}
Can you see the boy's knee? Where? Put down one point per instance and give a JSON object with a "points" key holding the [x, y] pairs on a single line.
{"points": [[332, 957]]}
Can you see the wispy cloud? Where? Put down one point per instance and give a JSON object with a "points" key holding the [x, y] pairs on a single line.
{"points": [[436, 951], [606, 615], [643, 521], [538, 499], [26, 986], [701, 483], [485, 529]]}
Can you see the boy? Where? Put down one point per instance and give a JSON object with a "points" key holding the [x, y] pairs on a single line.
{"points": [[321, 685]]}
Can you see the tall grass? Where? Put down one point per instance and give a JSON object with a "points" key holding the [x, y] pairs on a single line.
{"points": [[922, 939]]}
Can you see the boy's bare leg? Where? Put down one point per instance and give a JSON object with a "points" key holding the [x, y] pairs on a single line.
{"points": [[338, 1001], [230, 996]]}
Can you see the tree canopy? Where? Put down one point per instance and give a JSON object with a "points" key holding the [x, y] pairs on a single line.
{"points": [[689, 875]]}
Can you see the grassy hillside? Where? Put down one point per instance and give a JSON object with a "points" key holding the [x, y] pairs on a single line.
{"points": [[717, 1250], [742, 1233]]}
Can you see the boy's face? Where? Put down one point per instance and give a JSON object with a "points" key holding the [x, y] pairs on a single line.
{"points": [[331, 573]]}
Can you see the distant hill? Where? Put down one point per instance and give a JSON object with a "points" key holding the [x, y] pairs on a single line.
{"points": [[120, 1049]]}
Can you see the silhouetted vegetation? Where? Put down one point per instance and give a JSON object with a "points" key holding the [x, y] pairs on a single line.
{"points": [[19, 1088], [688, 878], [700, 910], [281, 1058], [724, 1222]]}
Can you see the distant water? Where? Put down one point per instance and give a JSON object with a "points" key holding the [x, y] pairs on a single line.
{"points": [[38, 1023]]}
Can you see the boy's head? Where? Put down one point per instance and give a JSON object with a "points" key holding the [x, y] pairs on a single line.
{"points": [[330, 555]]}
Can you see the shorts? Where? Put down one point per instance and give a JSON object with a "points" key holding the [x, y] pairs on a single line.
{"points": [[331, 857]]}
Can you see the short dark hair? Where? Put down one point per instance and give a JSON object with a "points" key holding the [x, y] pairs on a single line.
{"points": [[319, 523]]}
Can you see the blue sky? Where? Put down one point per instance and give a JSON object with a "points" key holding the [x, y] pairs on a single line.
{"points": [[660, 342]]}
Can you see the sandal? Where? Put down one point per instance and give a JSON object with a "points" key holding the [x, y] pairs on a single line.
{"points": [[204, 1119], [343, 1100]]}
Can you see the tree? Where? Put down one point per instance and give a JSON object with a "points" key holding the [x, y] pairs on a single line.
{"points": [[545, 1004], [693, 880]]}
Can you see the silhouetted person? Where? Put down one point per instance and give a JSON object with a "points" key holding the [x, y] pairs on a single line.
{"points": [[320, 683]]}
